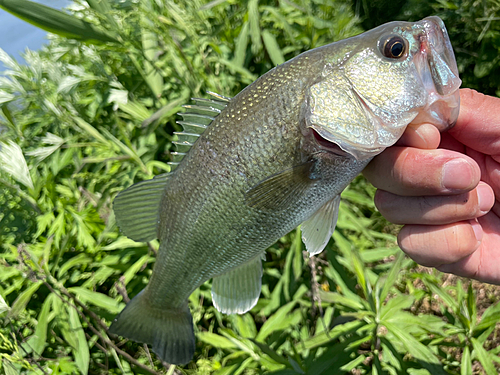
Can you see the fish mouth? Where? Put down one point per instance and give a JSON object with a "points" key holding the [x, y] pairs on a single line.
{"points": [[327, 145], [438, 71]]}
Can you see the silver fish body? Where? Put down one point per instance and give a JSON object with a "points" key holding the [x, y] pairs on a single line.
{"points": [[276, 156]]}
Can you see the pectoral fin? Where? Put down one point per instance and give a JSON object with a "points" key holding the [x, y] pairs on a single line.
{"points": [[238, 290], [136, 208], [279, 191], [318, 229]]}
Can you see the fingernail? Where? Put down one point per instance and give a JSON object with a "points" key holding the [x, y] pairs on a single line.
{"points": [[457, 174], [485, 198], [478, 230]]}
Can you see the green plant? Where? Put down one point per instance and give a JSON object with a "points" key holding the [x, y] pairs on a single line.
{"points": [[85, 119]]}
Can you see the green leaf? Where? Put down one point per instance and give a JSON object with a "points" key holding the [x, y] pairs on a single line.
{"points": [[55, 21], [6, 97], [104, 8], [81, 351], [241, 46], [280, 320], [22, 300], [38, 341], [271, 353], [97, 299], [134, 268], [122, 242], [340, 329], [3, 306], [471, 305], [466, 364], [333, 297], [136, 110], [416, 349], [482, 355], [395, 305], [272, 48], [359, 270], [245, 325], [84, 125], [78, 260], [392, 276], [12, 161], [216, 340], [443, 294], [253, 19], [151, 51], [490, 317], [9, 368], [332, 359], [164, 112]]}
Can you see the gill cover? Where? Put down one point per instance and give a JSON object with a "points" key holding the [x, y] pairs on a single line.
{"points": [[378, 84]]}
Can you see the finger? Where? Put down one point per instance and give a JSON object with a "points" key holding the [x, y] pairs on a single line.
{"points": [[478, 124], [424, 136], [481, 264], [410, 171], [490, 169], [436, 245], [435, 210]]}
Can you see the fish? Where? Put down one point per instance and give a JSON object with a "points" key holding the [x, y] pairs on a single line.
{"points": [[251, 168]]}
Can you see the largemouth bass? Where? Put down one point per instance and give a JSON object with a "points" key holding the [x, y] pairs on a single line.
{"points": [[278, 154]]}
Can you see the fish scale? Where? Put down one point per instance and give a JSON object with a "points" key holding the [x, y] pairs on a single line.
{"points": [[250, 169]]}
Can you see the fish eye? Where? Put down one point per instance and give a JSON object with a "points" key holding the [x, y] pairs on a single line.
{"points": [[394, 47]]}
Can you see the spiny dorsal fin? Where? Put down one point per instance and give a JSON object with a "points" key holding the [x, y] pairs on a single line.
{"points": [[137, 208], [195, 120]]}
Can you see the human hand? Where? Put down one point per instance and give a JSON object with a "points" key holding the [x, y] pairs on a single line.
{"points": [[443, 188]]}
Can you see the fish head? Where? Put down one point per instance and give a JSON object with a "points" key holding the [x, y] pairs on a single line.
{"points": [[373, 85]]}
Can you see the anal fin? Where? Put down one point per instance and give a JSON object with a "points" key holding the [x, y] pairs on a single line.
{"points": [[317, 230], [238, 290]]}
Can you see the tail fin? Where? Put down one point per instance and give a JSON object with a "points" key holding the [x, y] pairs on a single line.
{"points": [[170, 332]]}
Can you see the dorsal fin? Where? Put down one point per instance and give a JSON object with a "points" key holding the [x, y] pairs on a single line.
{"points": [[195, 120], [137, 208]]}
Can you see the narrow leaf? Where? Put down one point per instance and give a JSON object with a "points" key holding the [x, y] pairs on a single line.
{"points": [[416, 349], [483, 357], [281, 319], [13, 162], [97, 299], [3, 306], [254, 20], [37, 342], [215, 340], [89, 129], [241, 46], [466, 365], [23, 299], [81, 351], [272, 48], [392, 276], [55, 21]]}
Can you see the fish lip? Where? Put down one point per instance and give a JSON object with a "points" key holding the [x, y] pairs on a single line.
{"points": [[439, 75]]}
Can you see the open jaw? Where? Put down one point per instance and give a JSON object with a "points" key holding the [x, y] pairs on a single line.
{"points": [[328, 146]]}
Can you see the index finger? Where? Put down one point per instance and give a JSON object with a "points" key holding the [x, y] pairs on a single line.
{"points": [[478, 124]]}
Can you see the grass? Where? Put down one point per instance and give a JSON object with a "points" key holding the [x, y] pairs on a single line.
{"points": [[85, 119]]}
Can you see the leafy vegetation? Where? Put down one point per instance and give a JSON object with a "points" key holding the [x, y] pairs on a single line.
{"points": [[84, 119]]}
